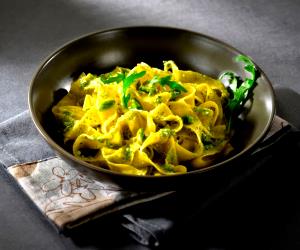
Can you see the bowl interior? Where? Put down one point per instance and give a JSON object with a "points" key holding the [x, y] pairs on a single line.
{"points": [[102, 51]]}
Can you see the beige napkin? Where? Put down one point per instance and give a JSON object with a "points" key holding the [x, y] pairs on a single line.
{"points": [[69, 196]]}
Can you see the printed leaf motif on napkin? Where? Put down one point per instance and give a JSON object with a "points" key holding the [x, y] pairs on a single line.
{"points": [[62, 192]]}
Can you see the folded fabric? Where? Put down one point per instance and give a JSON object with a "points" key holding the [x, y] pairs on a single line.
{"points": [[69, 197]]}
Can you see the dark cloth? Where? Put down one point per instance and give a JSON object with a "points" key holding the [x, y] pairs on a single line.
{"points": [[21, 143]]}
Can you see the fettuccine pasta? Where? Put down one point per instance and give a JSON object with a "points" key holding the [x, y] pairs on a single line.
{"points": [[144, 120]]}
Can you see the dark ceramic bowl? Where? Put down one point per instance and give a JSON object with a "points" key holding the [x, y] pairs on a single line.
{"points": [[102, 51]]}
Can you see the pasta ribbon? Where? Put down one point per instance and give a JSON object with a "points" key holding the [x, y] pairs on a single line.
{"points": [[145, 120]]}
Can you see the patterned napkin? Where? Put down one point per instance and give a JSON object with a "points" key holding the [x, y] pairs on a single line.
{"points": [[69, 197], [65, 195]]}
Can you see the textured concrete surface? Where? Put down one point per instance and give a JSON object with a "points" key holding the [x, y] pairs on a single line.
{"points": [[268, 31]]}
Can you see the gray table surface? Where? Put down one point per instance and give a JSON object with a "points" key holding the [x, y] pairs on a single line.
{"points": [[268, 31]]}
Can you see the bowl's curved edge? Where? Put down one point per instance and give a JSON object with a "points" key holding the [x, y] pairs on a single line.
{"points": [[70, 158]]}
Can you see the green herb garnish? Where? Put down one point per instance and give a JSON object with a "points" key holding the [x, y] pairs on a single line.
{"points": [[67, 113], [128, 80], [145, 89], [240, 90], [141, 135], [166, 132], [106, 104], [167, 167], [135, 104], [67, 120], [68, 124], [176, 88], [188, 119], [150, 90], [174, 94], [84, 84], [202, 111], [110, 79], [158, 99], [127, 153], [166, 80]]}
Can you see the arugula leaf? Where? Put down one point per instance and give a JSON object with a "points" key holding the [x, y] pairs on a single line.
{"points": [[172, 84], [175, 87], [128, 80], [231, 81], [148, 89], [110, 79], [151, 87], [240, 90]]}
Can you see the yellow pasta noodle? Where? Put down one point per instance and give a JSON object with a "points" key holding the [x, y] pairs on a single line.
{"points": [[145, 120]]}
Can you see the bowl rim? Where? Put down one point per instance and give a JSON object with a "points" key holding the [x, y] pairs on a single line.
{"points": [[65, 154]]}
